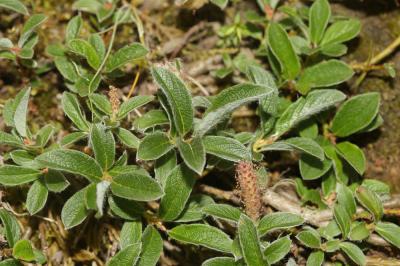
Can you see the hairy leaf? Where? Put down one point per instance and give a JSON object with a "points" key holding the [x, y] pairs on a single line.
{"points": [[226, 148], [249, 242], [178, 98], [356, 114], [72, 161], [203, 235]]}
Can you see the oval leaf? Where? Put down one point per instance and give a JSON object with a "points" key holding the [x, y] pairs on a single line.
{"points": [[283, 49], [154, 146], [226, 148], [356, 114], [279, 220], [228, 100], [178, 97], [178, 187], [249, 242], [324, 74], [203, 235], [72, 161]]}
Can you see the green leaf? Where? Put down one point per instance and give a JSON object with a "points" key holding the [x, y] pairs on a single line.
{"points": [[55, 181], [334, 49], [125, 55], [150, 119], [228, 100], [164, 165], [14, 5], [220, 261], [316, 258], [193, 209], [72, 109], [29, 27], [95, 196], [341, 31], [127, 256], [66, 68], [101, 102], [324, 74], [124, 208], [133, 103], [24, 158], [98, 44], [309, 238], [226, 148], [354, 253], [260, 76], [8, 139], [193, 154], [332, 245], [122, 160], [249, 242], [10, 226], [72, 161], [11, 175], [37, 197], [319, 15], [154, 146], [103, 144], [73, 28], [177, 189], [223, 211], [305, 145], [279, 220], [356, 114], [389, 231], [40, 258], [44, 135], [277, 250], [312, 168], [151, 248], [10, 262], [375, 124], [21, 111], [178, 97], [283, 50], [343, 219], [136, 186], [127, 138], [328, 183], [359, 231], [345, 197], [72, 138], [315, 102], [379, 187], [203, 235], [74, 211], [85, 49], [221, 3], [91, 6], [23, 250], [371, 201], [353, 155], [131, 233], [5, 43]]}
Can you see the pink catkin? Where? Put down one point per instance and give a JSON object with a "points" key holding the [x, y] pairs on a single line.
{"points": [[246, 177]]}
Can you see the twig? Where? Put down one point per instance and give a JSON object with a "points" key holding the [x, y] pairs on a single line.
{"points": [[220, 194], [132, 89]]}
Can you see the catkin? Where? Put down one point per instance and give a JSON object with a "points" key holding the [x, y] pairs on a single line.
{"points": [[114, 99], [246, 177]]}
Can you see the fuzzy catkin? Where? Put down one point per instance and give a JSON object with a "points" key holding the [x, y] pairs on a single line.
{"points": [[246, 177], [114, 99]]}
